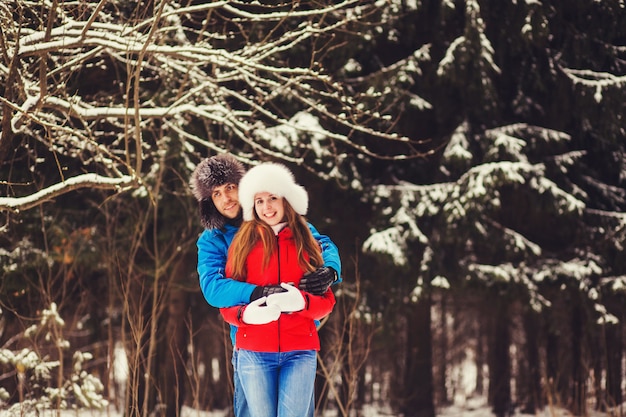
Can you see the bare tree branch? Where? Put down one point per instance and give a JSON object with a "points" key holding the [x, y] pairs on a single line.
{"points": [[70, 184], [234, 77]]}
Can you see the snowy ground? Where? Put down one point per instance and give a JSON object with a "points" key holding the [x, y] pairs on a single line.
{"points": [[476, 408], [467, 405]]}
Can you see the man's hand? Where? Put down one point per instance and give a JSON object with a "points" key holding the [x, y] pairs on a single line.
{"points": [[256, 313], [289, 301], [265, 291], [318, 281]]}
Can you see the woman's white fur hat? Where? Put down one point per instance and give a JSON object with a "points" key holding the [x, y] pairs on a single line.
{"points": [[275, 179]]}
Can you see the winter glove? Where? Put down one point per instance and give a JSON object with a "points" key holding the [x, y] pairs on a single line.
{"points": [[318, 281], [289, 301], [256, 313], [264, 291]]}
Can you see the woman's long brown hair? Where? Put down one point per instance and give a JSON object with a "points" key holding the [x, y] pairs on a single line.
{"points": [[254, 230]]}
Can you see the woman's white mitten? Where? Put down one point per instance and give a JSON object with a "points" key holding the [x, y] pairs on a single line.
{"points": [[289, 301], [256, 313]]}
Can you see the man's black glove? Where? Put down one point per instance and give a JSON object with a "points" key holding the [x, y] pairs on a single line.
{"points": [[318, 281], [264, 291]]}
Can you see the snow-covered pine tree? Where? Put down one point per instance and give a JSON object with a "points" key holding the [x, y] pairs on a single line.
{"points": [[524, 204]]}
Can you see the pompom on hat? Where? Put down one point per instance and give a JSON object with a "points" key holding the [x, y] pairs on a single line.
{"points": [[211, 173], [275, 179]]}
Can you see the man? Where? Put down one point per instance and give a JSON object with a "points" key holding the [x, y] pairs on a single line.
{"points": [[214, 183]]}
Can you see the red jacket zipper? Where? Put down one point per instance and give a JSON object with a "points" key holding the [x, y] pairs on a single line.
{"points": [[278, 258]]}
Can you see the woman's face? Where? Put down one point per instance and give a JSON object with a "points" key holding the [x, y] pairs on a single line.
{"points": [[270, 208]]}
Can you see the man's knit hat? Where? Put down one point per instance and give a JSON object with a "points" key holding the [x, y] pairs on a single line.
{"points": [[275, 179], [211, 173]]}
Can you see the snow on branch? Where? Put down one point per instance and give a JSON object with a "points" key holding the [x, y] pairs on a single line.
{"points": [[449, 58], [406, 205], [472, 48], [605, 213], [267, 81], [215, 112], [597, 80], [389, 242], [513, 274], [290, 13], [480, 185], [81, 181], [525, 130], [615, 284], [394, 241], [225, 86]]}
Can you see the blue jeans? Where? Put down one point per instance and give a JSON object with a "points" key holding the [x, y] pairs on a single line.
{"points": [[240, 405], [277, 384]]}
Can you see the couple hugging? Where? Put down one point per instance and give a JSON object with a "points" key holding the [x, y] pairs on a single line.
{"points": [[269, 272]]}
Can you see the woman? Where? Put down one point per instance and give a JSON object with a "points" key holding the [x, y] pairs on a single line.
{"points": [[277, 339]]}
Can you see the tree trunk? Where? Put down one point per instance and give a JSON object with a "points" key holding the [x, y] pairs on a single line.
{"points": [[533, 400], [441, 393], [172, 374], [480, 358], [212, 347], [615, 356], [418, 378], [578, 387], [552, 364], [500, 363]]}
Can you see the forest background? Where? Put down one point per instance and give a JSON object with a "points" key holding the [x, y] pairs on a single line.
{"points": [[467, 158]]}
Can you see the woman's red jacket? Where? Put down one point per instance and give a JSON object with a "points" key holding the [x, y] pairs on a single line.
{"points": [[292, 331]]}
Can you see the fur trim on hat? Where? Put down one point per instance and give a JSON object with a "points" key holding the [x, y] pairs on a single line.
{"points": [[210, 173], [275, 179]]}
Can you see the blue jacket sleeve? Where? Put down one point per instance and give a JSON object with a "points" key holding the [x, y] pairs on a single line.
{"points": [[218, 290], [330, 253]]}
